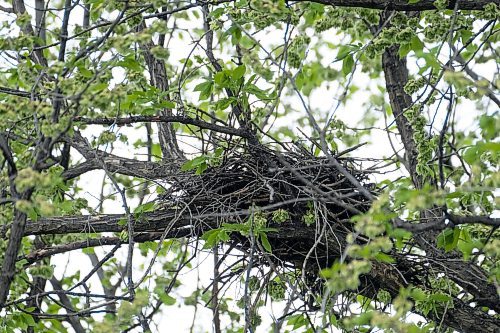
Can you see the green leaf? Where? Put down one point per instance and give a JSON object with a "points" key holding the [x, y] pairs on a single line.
{"points": [[416, 44], [347, 64], [404, 49], [194, 163], [223, 236], [99, 87], [166, 104], [201, 168], [223, 103], [211, 238], [238, 72], [254, 90], [299, 80], [147, 207], [418, 294], [448, 239], [205, 89], [130, 63], [440, 297], [167, 299], [297, 321], [265, 242], [383, 257], [454, 195], [221, 78], [346, 50], [471, 155]]}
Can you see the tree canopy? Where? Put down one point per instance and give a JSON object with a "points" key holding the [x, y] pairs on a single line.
{"points": [[337, 161]]}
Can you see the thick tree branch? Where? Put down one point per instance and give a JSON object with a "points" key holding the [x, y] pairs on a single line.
{"points": [[165, 119], [159, 79], [155, 224], [396, 77], [404, 5], [46, 252], [15, 92], [116, 164], [448, 221]]}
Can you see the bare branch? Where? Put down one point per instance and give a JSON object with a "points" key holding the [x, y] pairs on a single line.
{"points": [[166, 119], [405, 5]]}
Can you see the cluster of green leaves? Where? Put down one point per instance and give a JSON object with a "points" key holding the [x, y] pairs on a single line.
{"points": [[201, 163], [326, 56], [255, 228]]}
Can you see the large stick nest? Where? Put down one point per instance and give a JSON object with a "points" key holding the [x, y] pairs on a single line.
{"points": [[297, 182]]}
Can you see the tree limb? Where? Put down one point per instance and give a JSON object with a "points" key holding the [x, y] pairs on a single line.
{"points": [[404, 5], [165, 119], [441, 224]]}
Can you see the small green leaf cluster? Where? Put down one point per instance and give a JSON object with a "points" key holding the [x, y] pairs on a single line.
{"points": [[126, 314], [47, 198], [17, 320], [313, 75], [264, 13], [201, 163], [309, 217], [253, 283], [276, 289], [227, 78], [372, 250], [259, 67], [356, 21], [426, 146], [144, 208], [297, 50], [414, 85], [472, 90], [435, 301], [437, 24], [375, 221], [146, 101], [491, 12], [417, 199], [345, 276], [280, 216], [28, 178], [384, 296], [256, 226], [105, 137], [43, 271]]}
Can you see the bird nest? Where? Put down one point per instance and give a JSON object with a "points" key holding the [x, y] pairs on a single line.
{"points": [[305, 200]]}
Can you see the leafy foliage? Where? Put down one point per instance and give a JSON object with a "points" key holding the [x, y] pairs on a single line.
{"points": [[339, 162]]}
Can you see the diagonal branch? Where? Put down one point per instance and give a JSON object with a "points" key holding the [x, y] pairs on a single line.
{"points": [[116, 164]]}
